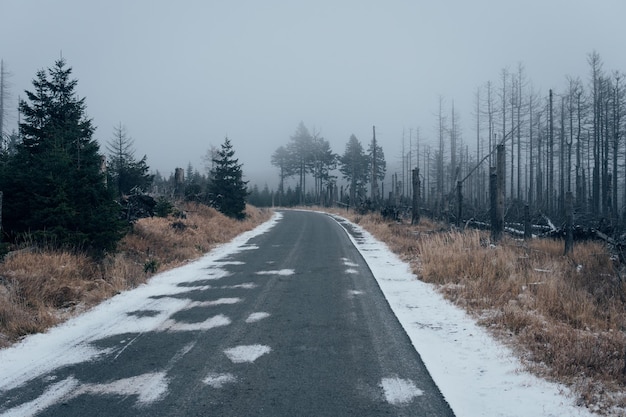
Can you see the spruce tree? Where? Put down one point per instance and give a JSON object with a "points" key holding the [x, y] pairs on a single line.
{"points": [[126, 175], [227, 189], [354, 164], [54, 188]]}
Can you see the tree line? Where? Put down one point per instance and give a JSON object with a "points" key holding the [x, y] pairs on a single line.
{"points": [[60, 191], [556, 142], [308, 154]]}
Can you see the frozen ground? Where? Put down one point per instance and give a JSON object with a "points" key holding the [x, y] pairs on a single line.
{"points": [[477, 375]]}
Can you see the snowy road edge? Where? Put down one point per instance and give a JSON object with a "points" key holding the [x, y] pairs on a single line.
{"points": [[476, 374]]}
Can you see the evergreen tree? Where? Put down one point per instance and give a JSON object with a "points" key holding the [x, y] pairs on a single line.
{"points": [[126, 174], [381, 164], [53, 185], [354, 167], [300, 156], [323, 162], [281, 160], [377, 167], [227, 189]]}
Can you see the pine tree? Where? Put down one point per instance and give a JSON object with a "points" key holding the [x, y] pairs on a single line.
{"points": [[126, 174], [227, 189], [354, 167], [377, 157], [53, 186]]}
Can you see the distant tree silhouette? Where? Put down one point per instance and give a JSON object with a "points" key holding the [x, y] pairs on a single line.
{"points": [[227, 189], [354, 165], [125, 173]]}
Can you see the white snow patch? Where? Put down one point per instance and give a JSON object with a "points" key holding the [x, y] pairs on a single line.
{"points": [[211, 303], [244, 286], [249, 353], [399, 391], [148, 387], [352, 293], [351, 271], [18, 367], [348, 262], [477, 375], [210, 323], [71, 343], [53, 394], [219, 380], [254, 317], [232, 262], [283, 272]]}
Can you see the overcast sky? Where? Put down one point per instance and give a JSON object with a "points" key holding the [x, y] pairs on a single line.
{"points": [[181, 75]]}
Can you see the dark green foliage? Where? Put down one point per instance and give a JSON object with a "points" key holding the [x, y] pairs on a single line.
{"points": [[151, 266], [163, 207], [354, 165], [381, 164], [193, 192], [227, 189], [305, 154], [261, 198], [54, 189], [137, 206], [126, 175]]}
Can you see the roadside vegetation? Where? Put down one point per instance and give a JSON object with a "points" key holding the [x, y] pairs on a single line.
{"points": [[77, 229], [563, 315], [42, 287]]}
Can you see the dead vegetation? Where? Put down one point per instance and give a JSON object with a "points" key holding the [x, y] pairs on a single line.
{"points": [[563, 315], [40, 288]]}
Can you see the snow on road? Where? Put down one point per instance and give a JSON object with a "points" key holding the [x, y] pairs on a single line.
{"points": [[146, 308], [477, 375]]}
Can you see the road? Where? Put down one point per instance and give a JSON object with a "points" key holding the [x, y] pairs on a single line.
{"points": [[292, 323]]}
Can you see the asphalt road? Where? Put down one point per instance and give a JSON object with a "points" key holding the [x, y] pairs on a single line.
{"points": [[293, 325]]}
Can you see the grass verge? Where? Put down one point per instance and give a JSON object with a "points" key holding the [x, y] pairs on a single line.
{"points": [[40, 288], [563, 315]]}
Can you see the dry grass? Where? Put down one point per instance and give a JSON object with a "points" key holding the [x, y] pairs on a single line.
{"points": [[564, 315], [40, 288]]}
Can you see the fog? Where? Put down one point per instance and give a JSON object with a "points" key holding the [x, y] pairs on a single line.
{"points": [[180, 76]]}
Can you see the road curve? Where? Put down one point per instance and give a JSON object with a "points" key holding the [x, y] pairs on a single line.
{"points": [[289, 323]]}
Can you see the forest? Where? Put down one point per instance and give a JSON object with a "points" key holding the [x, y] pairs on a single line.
{"points": [[60, 191], [556, 142]]}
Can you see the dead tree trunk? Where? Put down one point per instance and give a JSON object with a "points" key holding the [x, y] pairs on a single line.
{"points": [[496, 231], [527, 229], [459, 202], [415, 218], [1, 198], [179, 183], [497, 192], [569, 223]]}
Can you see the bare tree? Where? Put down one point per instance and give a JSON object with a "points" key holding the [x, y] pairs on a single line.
{"points": [[596, 79], [4, 98]]}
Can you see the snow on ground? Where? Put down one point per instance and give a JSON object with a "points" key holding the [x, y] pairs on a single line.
{"points": [[477, 375], [69, 343], [246, 353]]}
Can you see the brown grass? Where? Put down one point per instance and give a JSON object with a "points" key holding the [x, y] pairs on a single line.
{"points": [[564, 315], [40, 288]]}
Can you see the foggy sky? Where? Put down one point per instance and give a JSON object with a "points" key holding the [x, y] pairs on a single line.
{"points": [[181, 75]]}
